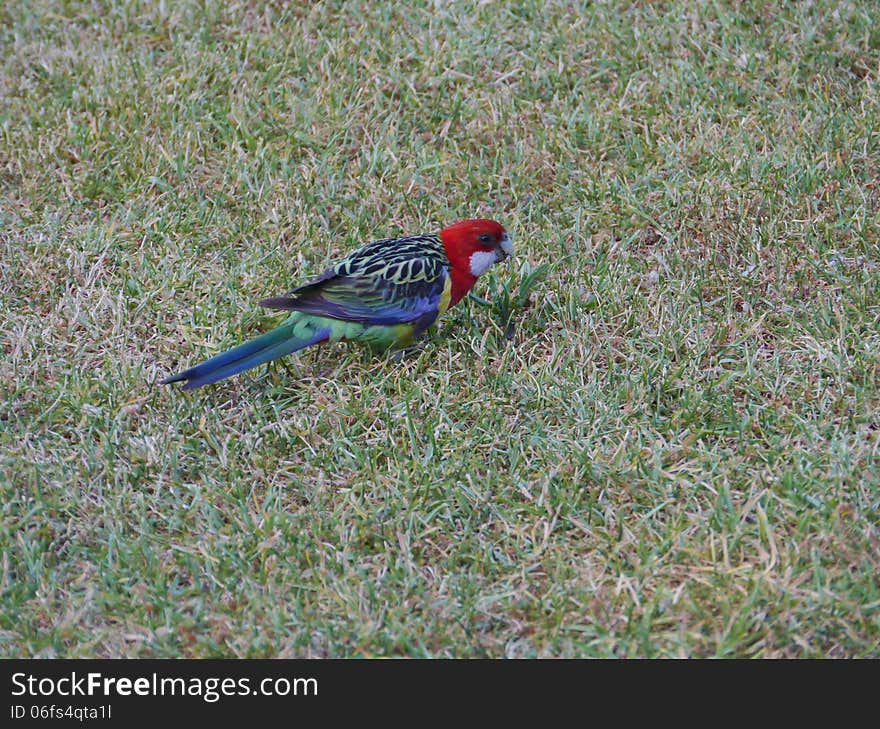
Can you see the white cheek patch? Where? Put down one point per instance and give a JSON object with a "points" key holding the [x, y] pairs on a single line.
{"points": [[481, 261], [507, 245]]}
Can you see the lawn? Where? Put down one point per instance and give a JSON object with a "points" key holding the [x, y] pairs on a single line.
{"points": [[655, 432]]}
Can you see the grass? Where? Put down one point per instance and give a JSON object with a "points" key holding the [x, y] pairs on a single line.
{"points": [[659, 437]]}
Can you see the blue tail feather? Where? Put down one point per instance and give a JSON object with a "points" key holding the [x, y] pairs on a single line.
{"points": [[272, 345]]}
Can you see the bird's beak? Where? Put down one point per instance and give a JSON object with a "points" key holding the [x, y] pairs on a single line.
{"points": [[505, 250]]}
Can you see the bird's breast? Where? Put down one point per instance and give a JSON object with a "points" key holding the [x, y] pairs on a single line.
{"points": [[445, 296]]}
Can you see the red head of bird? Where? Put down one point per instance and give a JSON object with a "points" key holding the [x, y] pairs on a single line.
{"points": [[473, 246]]}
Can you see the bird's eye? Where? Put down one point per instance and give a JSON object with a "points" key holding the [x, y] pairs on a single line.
{"points": [[485, 238]]}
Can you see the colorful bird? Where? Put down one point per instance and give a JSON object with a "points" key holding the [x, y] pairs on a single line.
{"points": [[384, 294]]}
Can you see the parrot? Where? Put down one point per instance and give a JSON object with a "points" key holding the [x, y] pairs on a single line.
{"points": [[384, 294]]}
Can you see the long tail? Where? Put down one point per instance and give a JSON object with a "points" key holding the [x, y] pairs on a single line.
{"points": [[296, 333]]}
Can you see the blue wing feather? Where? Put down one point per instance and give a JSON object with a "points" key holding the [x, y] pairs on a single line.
{"points": [[387, 282], [354, 299]]}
